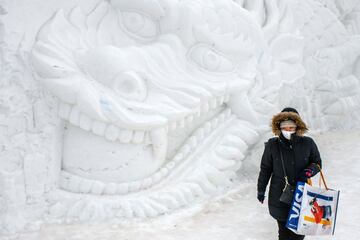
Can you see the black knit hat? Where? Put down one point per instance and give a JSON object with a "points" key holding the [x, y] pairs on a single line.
{"points": [[290, 109]]}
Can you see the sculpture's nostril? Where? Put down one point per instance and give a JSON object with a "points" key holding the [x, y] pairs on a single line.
{"points": [[130, 85]]}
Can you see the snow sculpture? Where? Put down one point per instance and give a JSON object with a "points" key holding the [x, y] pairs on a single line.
{"points": [[142, 99], [161, 101]]}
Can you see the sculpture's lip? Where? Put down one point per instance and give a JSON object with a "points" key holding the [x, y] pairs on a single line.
{"points": [[80, 184]]}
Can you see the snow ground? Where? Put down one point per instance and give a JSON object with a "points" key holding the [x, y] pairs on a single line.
{"points": [[238, 216]]}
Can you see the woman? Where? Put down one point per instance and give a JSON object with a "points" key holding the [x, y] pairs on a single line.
{"points": [[301, 161]]}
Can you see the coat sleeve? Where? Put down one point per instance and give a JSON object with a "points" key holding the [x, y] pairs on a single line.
{"points": [[315, 159], [266, 169]]}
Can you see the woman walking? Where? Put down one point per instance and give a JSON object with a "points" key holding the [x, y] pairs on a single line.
{"points": [[288, 157]]}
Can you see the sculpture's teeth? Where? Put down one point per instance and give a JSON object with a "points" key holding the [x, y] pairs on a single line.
{"points": [[74, 183], [125, 135], [173, 126], [170, 165], [138, 137], [189, 118], [98, 128], [181, 123], [227, 98], [112, 133], [159, 141], [164, 172], [214, 122], [205, 107], [85, 185], [97, 187], [200, 133], [147, 182], [122, 188], [156, 177], [134, 186], [220, 100], [85, 122], [213, 103], [186, 149], [64, 110], [74, 117], [110, 189], [207, 128], [193, 142], [64, 180], [178, 157], [227, 112], [198, 112]]}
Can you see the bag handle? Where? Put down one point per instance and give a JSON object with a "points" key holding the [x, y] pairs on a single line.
{"points": [[321, 178]]}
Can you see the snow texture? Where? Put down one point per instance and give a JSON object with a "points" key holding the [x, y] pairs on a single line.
{"points": [[132, 113], [238, 215]]}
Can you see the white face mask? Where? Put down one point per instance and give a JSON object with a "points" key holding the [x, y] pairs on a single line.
{"points": [[287, 134]]}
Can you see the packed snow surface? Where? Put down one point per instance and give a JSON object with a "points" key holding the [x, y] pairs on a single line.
{"points": [[238, 215]]}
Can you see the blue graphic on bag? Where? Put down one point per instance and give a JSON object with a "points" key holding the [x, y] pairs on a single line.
{"points": [[293, 218]]}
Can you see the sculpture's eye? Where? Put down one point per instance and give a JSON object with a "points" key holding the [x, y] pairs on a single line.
{"points": [[209, 59], [139, 25], [130, 85]]}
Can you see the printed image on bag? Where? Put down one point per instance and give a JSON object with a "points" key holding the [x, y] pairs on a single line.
{"points": [[313, 210]]}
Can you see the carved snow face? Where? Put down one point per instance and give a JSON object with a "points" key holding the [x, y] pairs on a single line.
{"points": [[144, 90]]}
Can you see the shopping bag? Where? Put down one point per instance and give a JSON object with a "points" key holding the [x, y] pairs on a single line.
{"points": [[313, 210]]}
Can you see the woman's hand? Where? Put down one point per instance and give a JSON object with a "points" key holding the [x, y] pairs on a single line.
{"points": [[261, 197]]}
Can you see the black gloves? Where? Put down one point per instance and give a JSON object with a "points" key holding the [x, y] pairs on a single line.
{"points": [[308, 172], [261, 197]]}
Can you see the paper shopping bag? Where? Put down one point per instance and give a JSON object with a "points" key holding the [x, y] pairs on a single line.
{"points": [[313, 210]]}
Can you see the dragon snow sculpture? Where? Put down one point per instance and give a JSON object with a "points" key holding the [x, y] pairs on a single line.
{"points": [[161, 100]]}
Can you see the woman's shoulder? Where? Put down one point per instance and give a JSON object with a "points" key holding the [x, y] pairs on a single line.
{"points": [[271, 141], [307, 139]]}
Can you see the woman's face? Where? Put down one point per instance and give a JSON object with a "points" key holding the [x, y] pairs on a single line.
{"points": [[288, 128]]}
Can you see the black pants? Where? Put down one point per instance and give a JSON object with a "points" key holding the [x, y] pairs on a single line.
{"points": [[287, 234]]}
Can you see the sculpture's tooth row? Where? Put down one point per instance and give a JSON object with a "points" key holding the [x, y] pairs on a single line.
{"points": [[109, 131], [114, 133], [76, 183], [205, 108], [201, 133]]}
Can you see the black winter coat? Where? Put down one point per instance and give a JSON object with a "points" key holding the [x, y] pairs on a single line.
{"points": [[298, 154]]}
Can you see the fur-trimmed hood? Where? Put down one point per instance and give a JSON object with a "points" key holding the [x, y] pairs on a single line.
{"points": [[301, 128]]}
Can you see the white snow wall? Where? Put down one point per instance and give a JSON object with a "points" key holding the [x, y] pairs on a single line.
{"points": [[326, 94]]}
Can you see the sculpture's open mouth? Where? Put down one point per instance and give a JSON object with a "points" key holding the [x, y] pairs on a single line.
{"points": [[101, 158], [147, 120]]}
